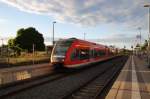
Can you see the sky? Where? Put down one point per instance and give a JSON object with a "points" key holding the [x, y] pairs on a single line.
{"points": [[109, 22]]}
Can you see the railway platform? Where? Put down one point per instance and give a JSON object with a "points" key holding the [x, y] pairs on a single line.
{"points": [[133, 81], [14, 74]]}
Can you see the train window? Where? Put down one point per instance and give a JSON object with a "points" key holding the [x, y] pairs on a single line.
{"points": [[62, 47], [67, 42], [84, 54], [60, 51], [75, 54], [101, 53], [95, 53], [91, 53], [80, 54]]}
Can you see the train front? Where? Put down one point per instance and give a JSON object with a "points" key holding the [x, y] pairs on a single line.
{"points": [[59, 52]]}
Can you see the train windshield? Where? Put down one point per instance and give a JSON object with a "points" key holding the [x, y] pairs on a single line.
{"points": [[61, 48]]}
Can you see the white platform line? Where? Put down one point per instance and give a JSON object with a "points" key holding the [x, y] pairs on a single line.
{"points": [[135, 86]]}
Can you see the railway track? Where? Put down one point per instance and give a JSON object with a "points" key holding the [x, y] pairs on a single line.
{"points": [[10, 89], [15, 87], [93, 88], [86, 83]]}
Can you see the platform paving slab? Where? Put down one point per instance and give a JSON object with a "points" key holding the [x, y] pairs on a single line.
{"points": [[133, 82]]}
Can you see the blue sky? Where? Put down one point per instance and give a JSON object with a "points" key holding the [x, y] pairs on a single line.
{"points": [[110, 22]]}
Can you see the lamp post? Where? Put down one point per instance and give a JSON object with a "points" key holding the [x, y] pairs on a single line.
{"points": [[132, 49], [139, 28], [84, 35], [33, 51], [148, 6], [140, 45], [53, 32], [2, 47], [124, 49]]}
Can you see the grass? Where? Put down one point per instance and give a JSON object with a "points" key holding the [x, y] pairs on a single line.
{"points": [[25, 59]]}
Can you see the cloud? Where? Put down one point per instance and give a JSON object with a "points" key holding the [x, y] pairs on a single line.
{"points": [[118, 42], [112, 39], [87, 12]]}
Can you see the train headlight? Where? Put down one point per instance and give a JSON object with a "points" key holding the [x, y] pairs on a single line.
{"points": [[58, 59]]}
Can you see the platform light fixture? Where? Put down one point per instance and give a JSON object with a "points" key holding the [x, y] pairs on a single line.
{"points": [[53, 31], [148, 6]]}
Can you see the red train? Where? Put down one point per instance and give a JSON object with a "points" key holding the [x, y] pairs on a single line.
{"points": [[74, 53]]}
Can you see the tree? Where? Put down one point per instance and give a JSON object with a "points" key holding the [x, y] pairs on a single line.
{"points": [[145, 45], [137, 45], [26, 38], [11, 43]]}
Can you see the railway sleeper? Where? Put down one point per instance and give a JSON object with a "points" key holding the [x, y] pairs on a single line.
{"points": [[87, 92], [91, 90], [85, 96]]}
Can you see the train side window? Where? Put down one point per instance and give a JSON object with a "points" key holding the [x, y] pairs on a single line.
{"points": [[75, 55], [91, 53], [101, 53], [95, 53], [84, 54]]}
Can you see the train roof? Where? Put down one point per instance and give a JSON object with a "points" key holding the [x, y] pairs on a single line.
{"points": [[84, 41], [91, 42]]}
